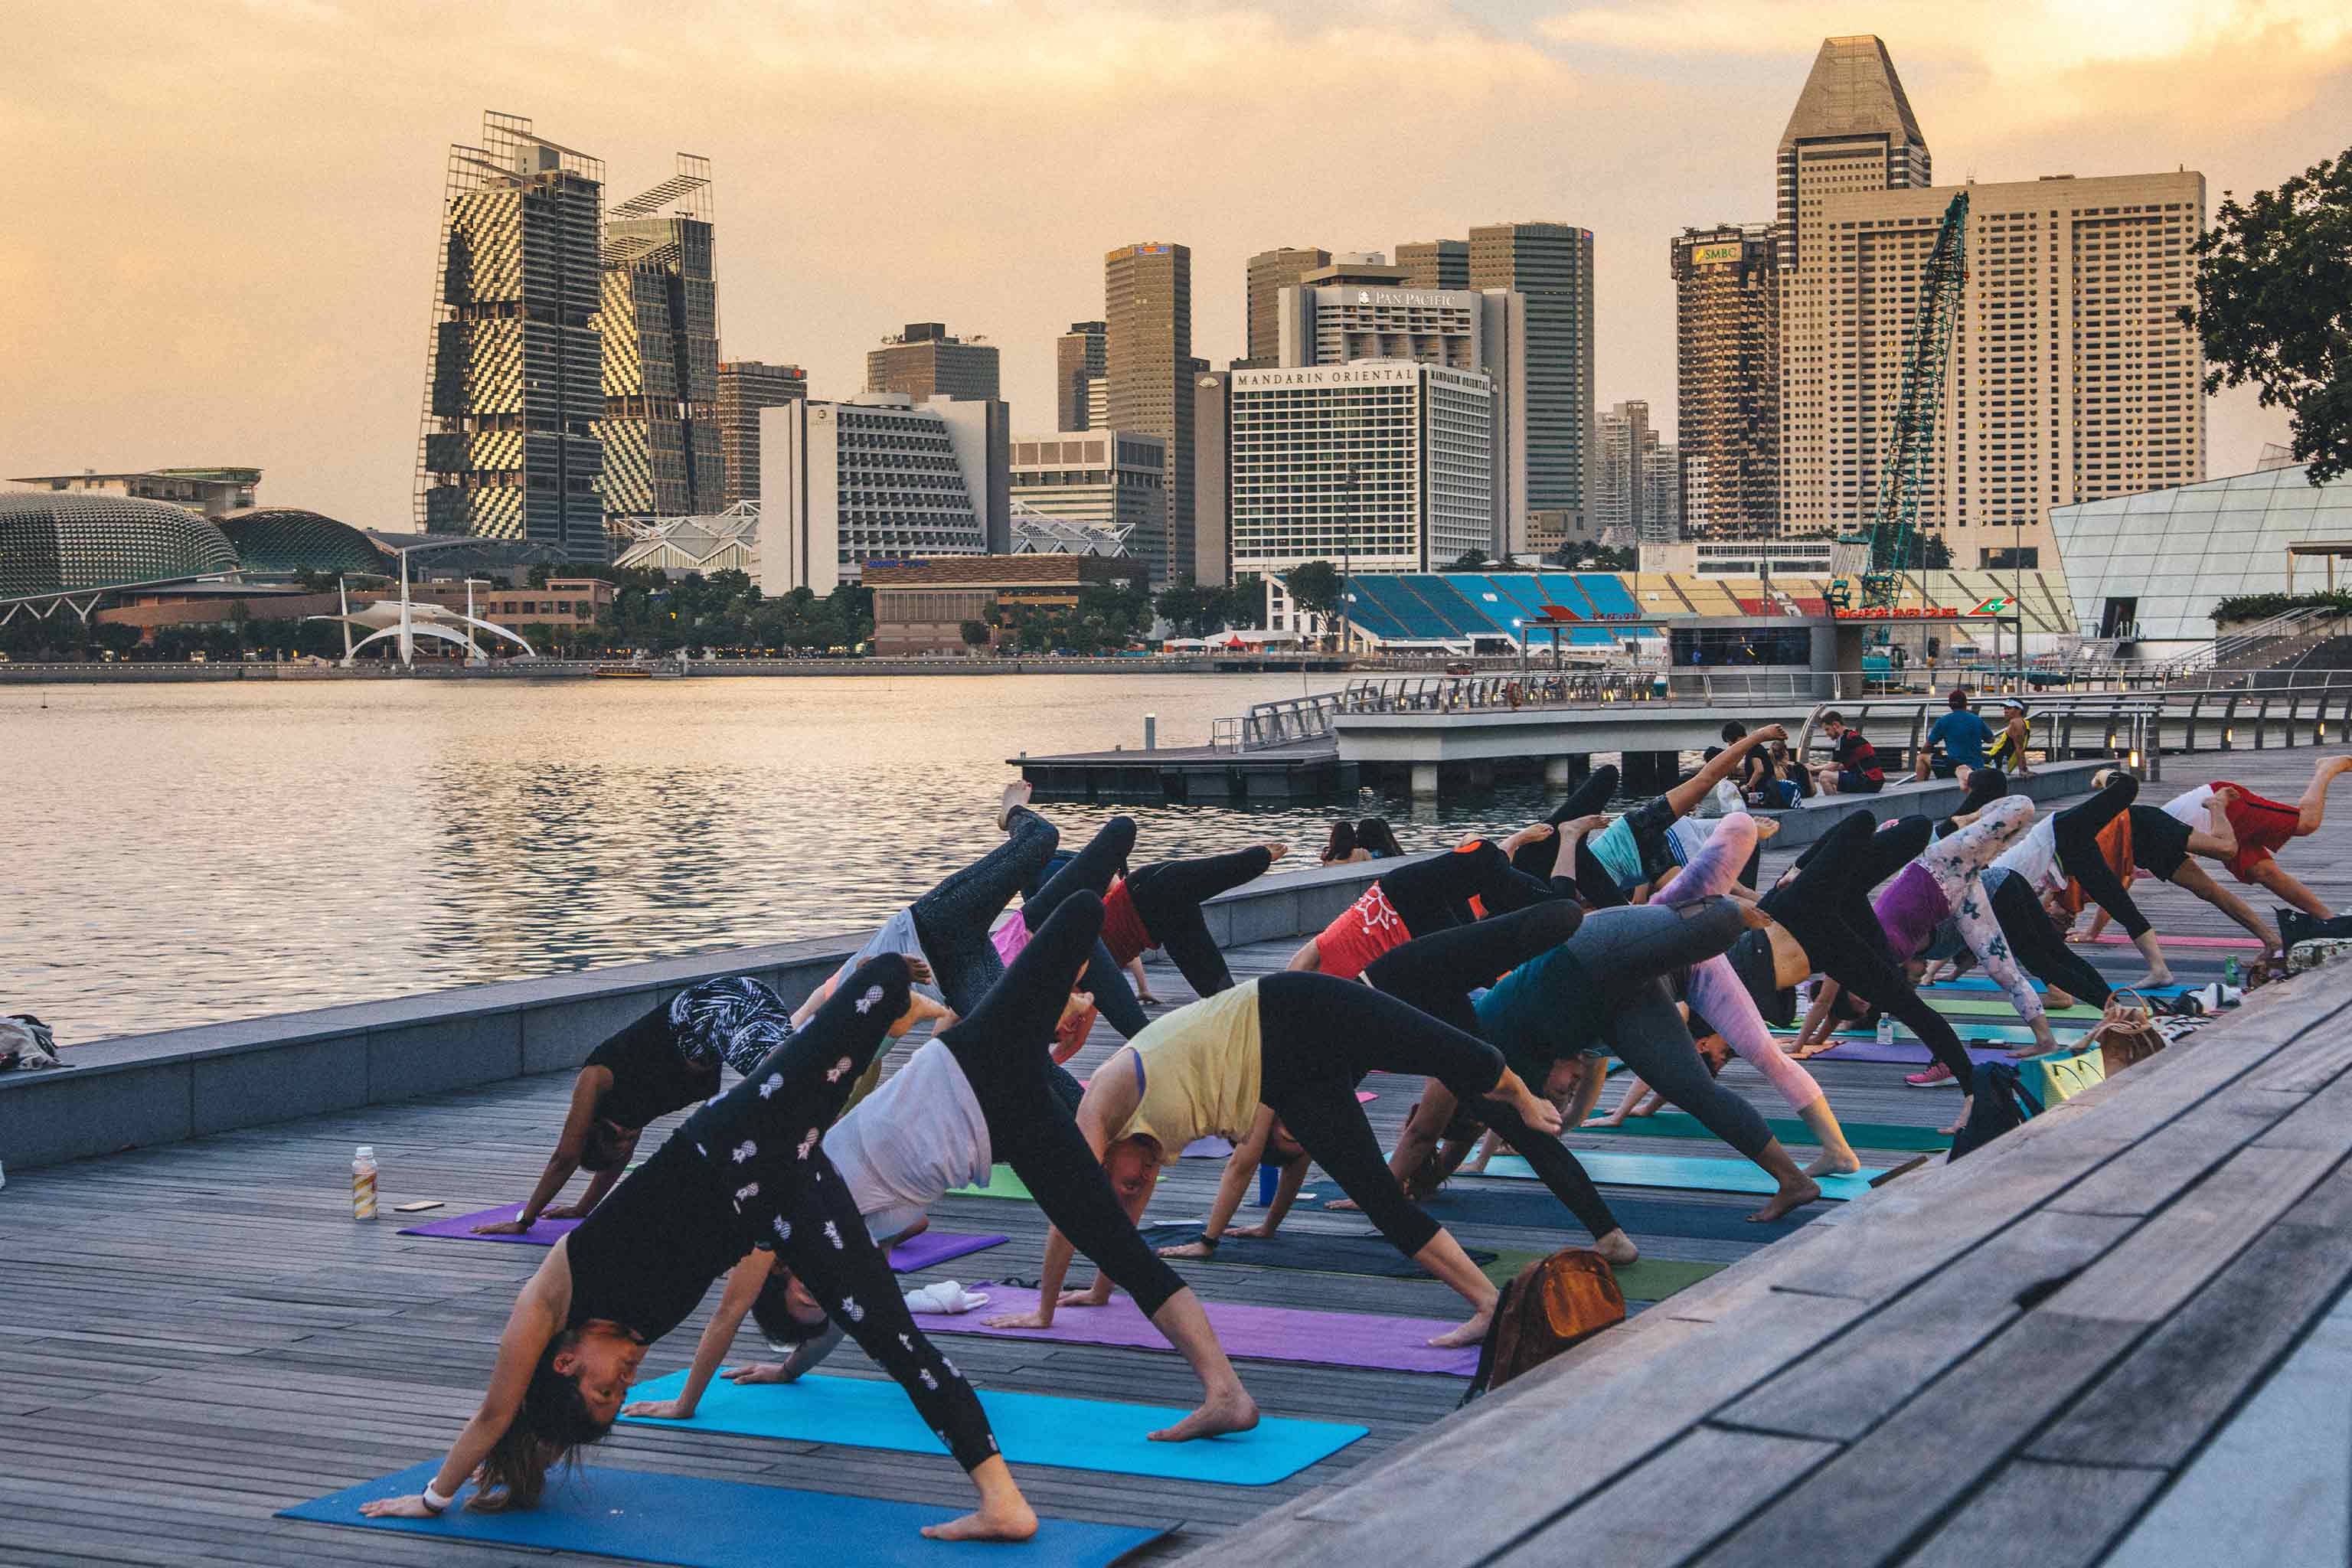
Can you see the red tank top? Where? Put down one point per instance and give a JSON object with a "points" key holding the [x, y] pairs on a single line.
{"points": [[1368, 928], [1122, 928]]}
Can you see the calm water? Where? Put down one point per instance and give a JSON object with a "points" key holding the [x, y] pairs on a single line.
{"points": [[179, 855]]}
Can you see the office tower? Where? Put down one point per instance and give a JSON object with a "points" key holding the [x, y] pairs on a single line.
{"points": [[1381, 466], [1148, 312], [1079, 357], [1212, 563], [746, 386], [1727, 378], [924, 361], [1110, 479], [659, 323], [1270, 272], [1625, 441], [1098, 403], [514, 384], [1435, 263], [2070, 378], [1551, 264], [1662, 494], [1326, 323], [880, 478], [1852, 130]]}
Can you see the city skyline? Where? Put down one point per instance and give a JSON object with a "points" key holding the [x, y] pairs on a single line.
{"points": [[149, 291]]}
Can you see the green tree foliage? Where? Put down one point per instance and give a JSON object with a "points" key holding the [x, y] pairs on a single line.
{"points": [[727, 612], [2275, 307], [2263, 607], [975, 634], [1470, 560], [1315, 586], [1196, 611]]}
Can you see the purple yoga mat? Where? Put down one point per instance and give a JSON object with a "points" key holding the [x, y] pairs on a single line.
{"points": [[1265, 1333], [930, 1248], [1907, 1051]]}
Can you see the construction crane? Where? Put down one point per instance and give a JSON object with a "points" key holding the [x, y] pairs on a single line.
{"points": [[1877, 556]]}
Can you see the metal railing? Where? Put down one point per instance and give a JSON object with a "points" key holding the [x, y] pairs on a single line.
{"points": [[2219, 653]]}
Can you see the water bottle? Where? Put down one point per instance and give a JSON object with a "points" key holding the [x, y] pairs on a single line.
{"points": [[363, 1183], [1886, 1030], [2230, 970]]}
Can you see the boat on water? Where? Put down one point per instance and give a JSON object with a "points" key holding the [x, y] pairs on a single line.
{"points": [[637, 671]]}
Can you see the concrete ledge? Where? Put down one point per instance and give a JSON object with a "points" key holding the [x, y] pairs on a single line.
{"points": [[1809, 820], [216, 1077]]}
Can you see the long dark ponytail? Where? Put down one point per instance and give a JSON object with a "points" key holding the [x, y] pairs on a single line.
{"points": [[553, 1424]]}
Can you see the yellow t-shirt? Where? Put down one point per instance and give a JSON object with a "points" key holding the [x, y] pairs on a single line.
{"points": [[1202, 1071]]}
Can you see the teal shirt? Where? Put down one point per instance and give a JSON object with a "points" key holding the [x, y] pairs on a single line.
{"points": [[1545, 1011]]}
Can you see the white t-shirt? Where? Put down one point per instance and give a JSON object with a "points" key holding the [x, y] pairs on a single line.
{"points": [[2190, 807], [2035, 859], [904, 1146], [896, 935]]}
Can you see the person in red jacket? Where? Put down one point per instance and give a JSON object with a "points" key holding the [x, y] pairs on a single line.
{"points": [[1855, 770]]}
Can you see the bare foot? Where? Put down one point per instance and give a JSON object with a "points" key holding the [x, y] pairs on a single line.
{"points": [[1617, 1247], [1806, 1191], [1469, 1333], [1016, 795], [1347, 1205], [1220, 1412], [1766, 827], [1005, 1522], [2054, 998], [1276, 851], [2153, 977], [1835, 1166], [1534, 833]]}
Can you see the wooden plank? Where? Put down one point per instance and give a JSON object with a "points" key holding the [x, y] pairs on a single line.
{"points": [[1674, 1504], [2034, 1515]]}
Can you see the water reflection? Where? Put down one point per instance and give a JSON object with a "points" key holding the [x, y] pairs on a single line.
{"points": [[188, 854]]}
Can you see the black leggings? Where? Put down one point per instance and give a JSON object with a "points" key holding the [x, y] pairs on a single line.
{"points": [[1599, 786], [761, 1137], [1091, 870], [1436, 974], [1168, 895], [2034, 942], [1426, 893], [953, 920], [1317, 1036], [2078, 828], [1827, 908], [1025, 1101]]}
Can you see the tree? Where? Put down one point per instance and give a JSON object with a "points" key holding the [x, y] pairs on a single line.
{"points": [[1314, 587], [975, 634], [1470, 560], [2272, 277], [1936, 555]]}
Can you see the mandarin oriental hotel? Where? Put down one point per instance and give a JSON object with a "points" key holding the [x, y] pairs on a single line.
{"points": [[1385, 464]]}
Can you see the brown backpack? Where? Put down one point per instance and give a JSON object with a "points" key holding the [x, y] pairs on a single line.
{"points": [[1554, 1303]]}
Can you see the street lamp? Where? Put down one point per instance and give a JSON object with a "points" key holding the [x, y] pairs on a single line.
{"points": [[1346, 551], [1518, 635]]}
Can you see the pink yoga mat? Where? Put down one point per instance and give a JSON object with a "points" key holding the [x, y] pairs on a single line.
{"points": [[2122, 940], [931, 1247], [1264, 1334]]}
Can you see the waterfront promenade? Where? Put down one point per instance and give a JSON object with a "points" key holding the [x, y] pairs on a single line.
{"points": [[200, 1335]]}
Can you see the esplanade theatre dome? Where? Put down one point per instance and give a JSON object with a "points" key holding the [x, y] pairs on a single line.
{"points": [[54, 540], [283, 539]]}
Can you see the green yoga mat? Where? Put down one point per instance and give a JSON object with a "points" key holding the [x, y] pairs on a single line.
{"points": [[1645, 1280], [1688, 1174], [1788, 1130], [1031, 1428], [1963, 1006], [1002, 1184]]}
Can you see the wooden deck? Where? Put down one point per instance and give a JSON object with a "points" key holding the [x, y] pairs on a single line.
{"points": [[199, 1335]]}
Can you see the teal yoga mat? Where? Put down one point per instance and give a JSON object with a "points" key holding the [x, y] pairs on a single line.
{"points": [[1686, 1171], [1787, 1128], [695, 1523], [1031, 1428], [1972, 1031]]}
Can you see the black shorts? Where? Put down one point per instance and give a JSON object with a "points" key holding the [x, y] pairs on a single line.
{"points": [[2159, 841], [1853, 783]]}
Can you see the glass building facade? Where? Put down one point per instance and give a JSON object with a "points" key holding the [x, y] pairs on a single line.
{"points": [[51, 541], [2159, 560]]}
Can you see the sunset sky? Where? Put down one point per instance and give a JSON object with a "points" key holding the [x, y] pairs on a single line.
{"points": [[223, 215]]}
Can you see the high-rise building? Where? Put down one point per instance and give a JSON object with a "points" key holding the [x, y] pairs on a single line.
{"points": [[746, 386], [1852, 130], [1435, 263], [1662, 494], [882, 478], [925, 362], [1460, 329], [2070, 378], [1115, 479], [1728, 379], [1079, 357], [1551, 264], [659, 323], [1149, 363], [1624, 442], [1270, 272], [1212, 563], [514, 385], [1382, 464]]}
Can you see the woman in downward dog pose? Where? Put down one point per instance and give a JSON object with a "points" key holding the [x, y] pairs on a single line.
{"points": [[745, 1172], [1295, 1043], [1159, 906], [980, 1091], [1427, 895]]}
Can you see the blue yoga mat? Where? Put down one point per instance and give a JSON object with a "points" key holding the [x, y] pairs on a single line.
{"points": [[1972, 1031], [1979, 984], [697, 1523], [1031, 1428], [1694, 1174], [1461, 1203]]}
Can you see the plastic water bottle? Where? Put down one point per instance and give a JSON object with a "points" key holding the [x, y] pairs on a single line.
{"points": [[1886, 1030], [2229, 971], [363, 1183]]}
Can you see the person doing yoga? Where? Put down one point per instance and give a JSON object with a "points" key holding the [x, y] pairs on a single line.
{"points": [[1424, 896], [664, 1061], [1434, 974], [1294, 1043], [2262, 827], [979, 1091], [744, 1171], [1640, 849], [1159, 906]]}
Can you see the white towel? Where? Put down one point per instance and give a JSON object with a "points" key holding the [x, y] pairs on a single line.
{"points": [[947, 1296]]}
